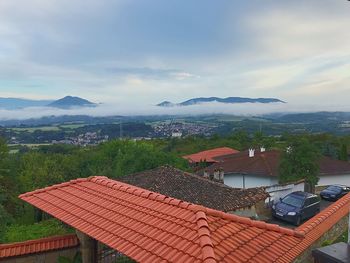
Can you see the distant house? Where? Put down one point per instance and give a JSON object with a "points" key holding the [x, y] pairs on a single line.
{"points": [[175, 183], [209, 156], [261, 168], [176, 134]]}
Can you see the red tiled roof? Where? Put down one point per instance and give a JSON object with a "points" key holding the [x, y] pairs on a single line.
{"points": [[38, 245], [267, 164], [209, 155], [151, 227], [263, 163], [330, 166]]}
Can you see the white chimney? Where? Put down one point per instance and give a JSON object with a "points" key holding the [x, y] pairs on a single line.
{"points": [[251, 152], [206, 174], [217, 175], [222, 174], [262, 149]]}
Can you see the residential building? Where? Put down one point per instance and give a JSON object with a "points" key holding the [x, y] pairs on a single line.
{"points": [[261, 168]]}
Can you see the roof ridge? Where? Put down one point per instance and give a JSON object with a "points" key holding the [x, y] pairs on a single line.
{"points": [[33, 241], [254, 223], [324, 215], [205, 240], [37, 191]]}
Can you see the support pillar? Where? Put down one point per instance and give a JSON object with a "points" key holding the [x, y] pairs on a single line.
{"points": [[88, 248]]}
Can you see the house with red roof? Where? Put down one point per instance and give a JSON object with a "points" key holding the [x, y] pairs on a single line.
{"points": [[257, 168], [209, 156], [150, 227]]}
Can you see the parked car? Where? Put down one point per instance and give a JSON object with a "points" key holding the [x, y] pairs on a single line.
{"points": [[334, 192], [296, 207]]}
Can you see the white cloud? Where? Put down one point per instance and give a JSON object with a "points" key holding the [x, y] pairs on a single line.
{"points": [[296, 51]]}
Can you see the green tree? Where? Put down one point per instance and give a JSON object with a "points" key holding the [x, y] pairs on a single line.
{"points": [[39, 170], [300, 161], [5, 217], [343, 153]]}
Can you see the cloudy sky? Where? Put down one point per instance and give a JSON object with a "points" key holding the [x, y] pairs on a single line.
{"points": [[144, 52]]}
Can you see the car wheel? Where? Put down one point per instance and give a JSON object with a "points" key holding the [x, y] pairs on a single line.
{"points": [[298, 221]]}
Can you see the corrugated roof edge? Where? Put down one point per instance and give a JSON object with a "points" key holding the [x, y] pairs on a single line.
{"points": [[105, 181], [12, 249]]}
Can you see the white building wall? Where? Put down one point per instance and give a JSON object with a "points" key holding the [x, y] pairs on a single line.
{"points": [[334, 179], [236, 180], [279, 191]]}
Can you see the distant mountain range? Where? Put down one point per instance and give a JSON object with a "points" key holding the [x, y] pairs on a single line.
{"points": [[64, 103], [228, 100]]}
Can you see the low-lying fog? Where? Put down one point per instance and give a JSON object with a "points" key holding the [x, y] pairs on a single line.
{"points": [[206, 108]]}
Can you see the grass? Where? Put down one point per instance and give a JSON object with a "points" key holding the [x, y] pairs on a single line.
{"points": [[343, 238], [50, 227]]}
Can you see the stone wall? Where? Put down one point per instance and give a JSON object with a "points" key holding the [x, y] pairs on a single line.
{"points": [[258, 211], [263, 210], [331, 235], [46, 257]]}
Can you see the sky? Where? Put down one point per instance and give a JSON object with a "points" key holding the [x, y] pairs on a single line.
{"points": [[132, 52]]}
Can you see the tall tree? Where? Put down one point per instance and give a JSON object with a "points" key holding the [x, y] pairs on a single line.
{"points": [[343, 153], [300, 161]]}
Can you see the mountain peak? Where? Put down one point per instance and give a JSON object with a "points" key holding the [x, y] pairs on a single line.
{"points": [[70, 102], [166, 104], [228, 100]]}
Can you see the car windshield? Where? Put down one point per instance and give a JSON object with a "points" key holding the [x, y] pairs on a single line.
{"points": [[334, 188], [293, 201]]}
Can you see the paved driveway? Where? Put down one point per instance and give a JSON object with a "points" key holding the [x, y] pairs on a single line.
{"points": [[324, 204]]}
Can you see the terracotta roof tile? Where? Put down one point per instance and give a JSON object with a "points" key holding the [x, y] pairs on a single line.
{"points": [[145, 225], [267, 164], [175, 183], [38, 245], [209, 155]]}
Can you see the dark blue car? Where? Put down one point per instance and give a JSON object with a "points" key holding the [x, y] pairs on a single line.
{"points": [[296, 207], [334, 192]]}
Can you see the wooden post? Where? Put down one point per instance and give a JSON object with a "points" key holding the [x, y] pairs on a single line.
{"points": [[88, 248]]}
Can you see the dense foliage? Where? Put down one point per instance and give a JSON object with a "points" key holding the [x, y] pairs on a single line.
{"points": [[300, 160], [46, 228]]}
